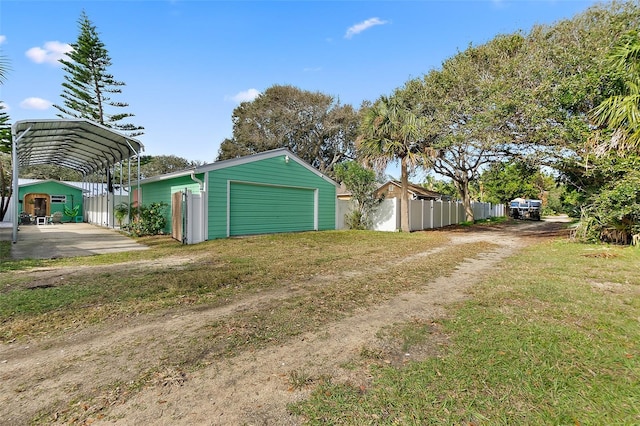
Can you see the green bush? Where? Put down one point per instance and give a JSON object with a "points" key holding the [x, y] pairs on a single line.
{"points": [[150, 220], [613, 214]]}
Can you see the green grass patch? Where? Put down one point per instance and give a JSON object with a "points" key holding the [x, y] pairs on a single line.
{"points": [[551, 338], [5, 251]]}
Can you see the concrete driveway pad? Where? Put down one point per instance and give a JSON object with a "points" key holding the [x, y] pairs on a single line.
{"points": [[67, 240]]}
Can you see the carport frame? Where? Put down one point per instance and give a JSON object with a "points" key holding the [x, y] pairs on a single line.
{"points": [[78, 144]]}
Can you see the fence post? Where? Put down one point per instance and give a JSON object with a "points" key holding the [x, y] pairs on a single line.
{"points": [[431, 214]]}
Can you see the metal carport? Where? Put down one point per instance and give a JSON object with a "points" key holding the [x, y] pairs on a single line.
{"points": [[78, 144]]}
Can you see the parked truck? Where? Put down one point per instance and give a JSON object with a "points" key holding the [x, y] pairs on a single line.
{"points": [[522, 208]]}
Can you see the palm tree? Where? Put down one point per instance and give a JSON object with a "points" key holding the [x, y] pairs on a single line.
{"points": [[4, 68], [390, 130], [621, 113]]}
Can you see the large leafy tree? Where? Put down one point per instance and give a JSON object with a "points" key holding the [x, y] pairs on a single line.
{"points": [[50, 171], [559, 75], [88, 85], [393, 129], [586, 73], [461, 99], [526, 95], [162, 164], [311, 124]]}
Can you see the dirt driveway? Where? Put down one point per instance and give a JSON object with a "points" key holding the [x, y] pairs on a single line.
{"points": [[251, 388]]}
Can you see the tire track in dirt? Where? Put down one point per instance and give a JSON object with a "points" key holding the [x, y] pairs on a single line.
{"points": [[254, 388]]}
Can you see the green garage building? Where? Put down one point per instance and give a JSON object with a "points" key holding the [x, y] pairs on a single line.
{"points": [[270, 192]]}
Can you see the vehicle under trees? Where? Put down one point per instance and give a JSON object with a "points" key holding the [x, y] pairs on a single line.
{"points": [[597, 52]]}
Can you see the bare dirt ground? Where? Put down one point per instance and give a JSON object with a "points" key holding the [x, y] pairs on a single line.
{"points": [[251, 388]]}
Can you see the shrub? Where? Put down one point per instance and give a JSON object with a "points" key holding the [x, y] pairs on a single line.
{"points": [[613, 214], [150, 220]]}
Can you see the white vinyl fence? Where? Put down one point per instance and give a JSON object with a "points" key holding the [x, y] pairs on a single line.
{"points": [[423, 214], [99, 209]]}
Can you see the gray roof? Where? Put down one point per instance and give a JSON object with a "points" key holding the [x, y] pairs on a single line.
{"points": [[74, 143]]}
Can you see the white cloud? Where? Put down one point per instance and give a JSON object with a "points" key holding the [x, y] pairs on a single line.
{"points": [[35, 103], [3, 39], [246, 96], [50, 53], [362, 26], [312, 69]]}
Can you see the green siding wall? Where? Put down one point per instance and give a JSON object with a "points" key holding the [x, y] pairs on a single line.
{"points": [[270, 171], [160, 192], [74, 196]]}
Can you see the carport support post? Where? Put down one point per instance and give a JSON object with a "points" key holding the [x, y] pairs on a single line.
{"points": [[16, 188], [139, 188]]}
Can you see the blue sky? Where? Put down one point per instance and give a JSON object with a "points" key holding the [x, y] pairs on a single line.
{"points": [[188, 63]]}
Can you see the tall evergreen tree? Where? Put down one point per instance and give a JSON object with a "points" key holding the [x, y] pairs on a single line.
{"points": [[6, 187], [88, 85], [5, 131]]}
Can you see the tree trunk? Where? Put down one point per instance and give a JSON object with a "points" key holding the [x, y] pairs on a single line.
{"points": [[463, 189], [462, 186], [404, 200]]}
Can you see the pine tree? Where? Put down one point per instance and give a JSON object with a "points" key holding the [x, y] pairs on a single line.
{"points": [[5, 131], [6, 187], [88, 86]]}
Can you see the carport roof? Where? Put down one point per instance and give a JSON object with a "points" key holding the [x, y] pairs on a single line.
{"points": [[75, 143]]}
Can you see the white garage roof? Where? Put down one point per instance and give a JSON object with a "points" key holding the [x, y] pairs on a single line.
{"points": [[75, 143]]}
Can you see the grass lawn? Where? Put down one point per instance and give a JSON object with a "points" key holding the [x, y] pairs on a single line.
{"points": [[5, 250], [551, 338], [212, 273]]}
